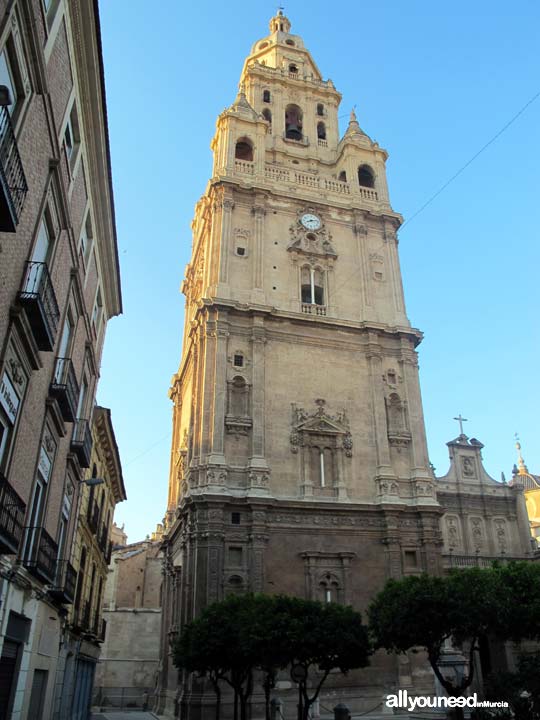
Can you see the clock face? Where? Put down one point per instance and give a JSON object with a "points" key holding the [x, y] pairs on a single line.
{"points": [[310, 221]]}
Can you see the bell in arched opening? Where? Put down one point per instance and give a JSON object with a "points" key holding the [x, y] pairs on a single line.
{"points": [[293, 122]]}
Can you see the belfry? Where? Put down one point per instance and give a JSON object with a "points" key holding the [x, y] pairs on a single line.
{"points": [[299, 459]]}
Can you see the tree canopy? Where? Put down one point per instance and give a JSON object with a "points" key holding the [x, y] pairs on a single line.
{"points": [[233, 638], [425, 611]]}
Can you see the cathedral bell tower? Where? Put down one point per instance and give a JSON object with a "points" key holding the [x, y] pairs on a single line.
{"points": [[299, 460]]}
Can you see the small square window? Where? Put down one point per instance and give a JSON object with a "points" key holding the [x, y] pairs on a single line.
{"points": [[241, 251], [378, 276], [235, 518], [239, 360]]}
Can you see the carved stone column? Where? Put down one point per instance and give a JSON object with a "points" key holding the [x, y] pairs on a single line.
{"points": [[259, 213], [360, 231], [224, 249], [206, 393], [391, 541], [374, 357], [419, 453], [258, 342], [395, 274], [217, 456]]}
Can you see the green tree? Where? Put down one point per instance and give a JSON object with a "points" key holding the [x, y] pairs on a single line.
{"points": [[324, 637], [463, 606], [233, 638]]}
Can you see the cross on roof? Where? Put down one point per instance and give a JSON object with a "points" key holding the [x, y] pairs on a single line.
{"points": [[461, 420]]}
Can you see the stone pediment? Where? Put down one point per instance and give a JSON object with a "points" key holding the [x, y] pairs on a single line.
{"points": [[308, 425], [321, 424]]}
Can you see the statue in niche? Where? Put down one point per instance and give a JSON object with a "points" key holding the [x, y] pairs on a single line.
{"points": [[467, 464], [394, 411]]}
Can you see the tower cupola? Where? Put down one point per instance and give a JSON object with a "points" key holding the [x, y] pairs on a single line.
{"points": [[280, 23]]}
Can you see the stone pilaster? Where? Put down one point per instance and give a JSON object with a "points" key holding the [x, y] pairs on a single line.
{"points": [[259, 212], [258, 343], [217, 456]]}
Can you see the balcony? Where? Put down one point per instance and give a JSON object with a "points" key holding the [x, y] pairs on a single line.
{"points": [[64, 388], [245, 167], [39, 301], [12, 510], [450, 560], [40, 553], [92, 517], [13, 186], [81, 442], [313, 309], [65, 581]]}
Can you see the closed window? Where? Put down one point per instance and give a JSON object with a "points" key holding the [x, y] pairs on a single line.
{"points": [[72, 138], [97, 312]]}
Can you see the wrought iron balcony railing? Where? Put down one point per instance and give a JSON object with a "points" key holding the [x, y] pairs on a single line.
{"points": [[13, 186], [40, 553], [12, 510], [81, 442], [65, 581], [39, 300], [64, 388]]}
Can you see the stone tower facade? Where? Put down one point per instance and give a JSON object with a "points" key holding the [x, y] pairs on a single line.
{"points": [[299, 457]]}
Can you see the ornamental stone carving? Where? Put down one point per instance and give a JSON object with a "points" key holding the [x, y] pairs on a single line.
{"points": [[467, 466], [501, 534]]}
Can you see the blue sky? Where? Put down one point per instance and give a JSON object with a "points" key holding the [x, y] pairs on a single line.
{"points": [[432, 83]]}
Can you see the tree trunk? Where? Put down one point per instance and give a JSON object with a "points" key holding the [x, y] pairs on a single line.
{"points": [[217, 690], [267, 685]]}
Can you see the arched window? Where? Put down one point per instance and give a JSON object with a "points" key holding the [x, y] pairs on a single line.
{"points": [[342, 176], [293, 69], [312, 282], [293, 122], [366, 177], [329, 588], [235, 585], [321, 131], [322, 469], [266, 96], [320, 109], [267, 115], [244, 150]]}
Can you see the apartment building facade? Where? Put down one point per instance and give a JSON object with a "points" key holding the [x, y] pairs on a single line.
{"points": [[59, 286]]}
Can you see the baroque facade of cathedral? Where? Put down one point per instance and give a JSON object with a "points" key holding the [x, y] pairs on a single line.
{"points": [[299, 456]]}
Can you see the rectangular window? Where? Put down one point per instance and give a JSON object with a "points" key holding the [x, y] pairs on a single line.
{"points": [[410, 559], [72, 139], [235, 556], [86, 240], [4, 431], [7, 79], [81, 407], [97, 312]]}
